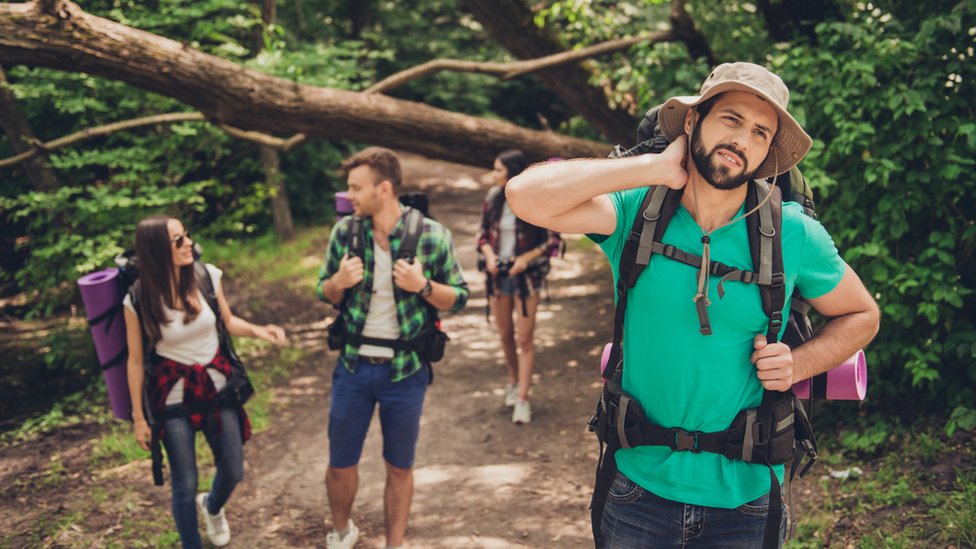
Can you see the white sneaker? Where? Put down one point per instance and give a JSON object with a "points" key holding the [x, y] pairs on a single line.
{"points": [[511, 394], [334, 541], [217, 528], [522, 412]]}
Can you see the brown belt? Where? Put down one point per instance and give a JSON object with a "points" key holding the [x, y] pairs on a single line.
{"points": [[376, 359]]}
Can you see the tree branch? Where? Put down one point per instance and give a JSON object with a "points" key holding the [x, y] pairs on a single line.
{"points": [[171, 118], [513, 69], [229, 94]]}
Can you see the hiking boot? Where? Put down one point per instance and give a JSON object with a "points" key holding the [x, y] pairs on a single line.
{"points": [[511, 394], [217, 528], [522, 412], [334, 541]]}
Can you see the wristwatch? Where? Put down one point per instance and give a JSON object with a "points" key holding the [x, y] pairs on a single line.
{"points": [[426, 290]]}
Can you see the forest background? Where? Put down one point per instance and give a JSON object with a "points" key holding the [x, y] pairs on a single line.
{"points": [[886, 89]]}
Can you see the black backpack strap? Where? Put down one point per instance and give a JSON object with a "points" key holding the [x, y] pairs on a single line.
{"points": [[414, 221], [766, 247]]}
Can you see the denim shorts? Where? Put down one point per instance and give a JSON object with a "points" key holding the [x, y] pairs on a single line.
{"points": [[636, 518], [508, 285], [354, 398]]}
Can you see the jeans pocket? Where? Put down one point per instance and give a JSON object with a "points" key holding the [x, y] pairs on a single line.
{"points": [[624, 490], [758, 507]]}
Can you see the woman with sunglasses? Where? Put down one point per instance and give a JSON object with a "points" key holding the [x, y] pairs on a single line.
{"points": [[168, 318]]}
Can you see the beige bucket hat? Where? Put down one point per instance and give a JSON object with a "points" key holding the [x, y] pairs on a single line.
{"points": [[790, 144]]}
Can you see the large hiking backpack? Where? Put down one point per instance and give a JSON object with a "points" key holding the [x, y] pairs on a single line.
{"points": [[431, 342], [779, 429]]}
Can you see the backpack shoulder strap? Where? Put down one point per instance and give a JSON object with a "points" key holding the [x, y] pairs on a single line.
{"points": [[357, 239], [207, 287], [655, 212], [414, 221], [766, 248]]}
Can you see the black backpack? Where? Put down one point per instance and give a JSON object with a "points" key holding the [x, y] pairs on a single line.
{"points": [[779, 429], [431, 342]]}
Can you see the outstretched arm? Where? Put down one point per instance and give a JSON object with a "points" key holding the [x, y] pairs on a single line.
{"points": [[239, 327], [570, 196]]}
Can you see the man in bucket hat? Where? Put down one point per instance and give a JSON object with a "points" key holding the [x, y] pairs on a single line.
{"points": [[682, 375]]}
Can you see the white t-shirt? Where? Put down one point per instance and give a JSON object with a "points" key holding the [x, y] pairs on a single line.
{"points": [[381, 319], [506, 238], [193, 343]]}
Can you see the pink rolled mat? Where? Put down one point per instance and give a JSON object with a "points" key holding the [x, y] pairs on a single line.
{"points": [[604, 359], [101, 294], [342, 204], [849, 381]]}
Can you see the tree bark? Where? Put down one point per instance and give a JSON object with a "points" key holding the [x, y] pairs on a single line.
{"points": [[511, 23], [280, 208], [69, 39], [18, 131], [270, 161]]}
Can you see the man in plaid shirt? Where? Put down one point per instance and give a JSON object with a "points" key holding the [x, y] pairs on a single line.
{"points": [[382, 298]]}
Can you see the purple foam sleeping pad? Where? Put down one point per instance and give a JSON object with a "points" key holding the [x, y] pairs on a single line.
{"points": [[342, 204], [100, 293]]}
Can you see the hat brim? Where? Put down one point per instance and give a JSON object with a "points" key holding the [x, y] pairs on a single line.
{"points": [[789, 146]]}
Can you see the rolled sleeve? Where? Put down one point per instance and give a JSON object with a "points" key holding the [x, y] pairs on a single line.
{"points": [[450, 272]]}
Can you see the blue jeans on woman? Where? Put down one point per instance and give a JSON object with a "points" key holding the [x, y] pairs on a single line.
{"points": [[636, 519], [179, 441]]}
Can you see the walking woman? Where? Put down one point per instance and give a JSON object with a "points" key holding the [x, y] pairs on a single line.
{"points": [[169, 319], [516, 259]]}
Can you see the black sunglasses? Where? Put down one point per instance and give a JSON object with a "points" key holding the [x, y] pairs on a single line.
{"points": [[180, 240]]}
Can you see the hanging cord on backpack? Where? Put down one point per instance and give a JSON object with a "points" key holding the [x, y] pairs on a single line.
{"points": [[704, 273]]}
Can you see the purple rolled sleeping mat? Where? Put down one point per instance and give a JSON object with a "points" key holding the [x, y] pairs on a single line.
{"points": [[102, 297], [343, 206]]}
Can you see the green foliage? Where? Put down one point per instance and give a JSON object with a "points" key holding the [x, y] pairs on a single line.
{"points": [[962, 418], [895, 118]]}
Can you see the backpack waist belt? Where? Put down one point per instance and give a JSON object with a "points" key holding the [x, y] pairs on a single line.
{"points": [[748, 432]]}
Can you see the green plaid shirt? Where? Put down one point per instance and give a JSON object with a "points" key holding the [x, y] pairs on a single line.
{"points": [[435, 251]]}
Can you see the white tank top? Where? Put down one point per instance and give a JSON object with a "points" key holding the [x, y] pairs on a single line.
{"points": [[506, 237], [193, 343], [381, 319]]}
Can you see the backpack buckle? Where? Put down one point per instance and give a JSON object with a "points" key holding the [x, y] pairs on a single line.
{"points": [[685, 441], [776, 320], [778, 279]]}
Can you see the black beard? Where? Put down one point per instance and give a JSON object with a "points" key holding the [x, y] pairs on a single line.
{"points": [[717, 176]]}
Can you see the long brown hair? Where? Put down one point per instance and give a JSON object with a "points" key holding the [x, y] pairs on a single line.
{"points": [[154, 257]]}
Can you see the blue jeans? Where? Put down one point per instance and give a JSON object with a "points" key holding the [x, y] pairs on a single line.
{"points": [[636, 519], [179, 441], [355, 396]]}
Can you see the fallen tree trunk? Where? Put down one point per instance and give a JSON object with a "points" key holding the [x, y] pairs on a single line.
{"points": [[60, 35]]}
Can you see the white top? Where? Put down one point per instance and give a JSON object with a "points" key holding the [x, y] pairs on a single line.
{"points": [[381, 319], [506, 240], [193, 343]]}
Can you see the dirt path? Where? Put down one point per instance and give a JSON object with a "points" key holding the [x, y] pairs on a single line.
{"points": [[480, 480]]}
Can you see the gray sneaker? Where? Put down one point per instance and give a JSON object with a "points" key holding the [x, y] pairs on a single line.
{"points": [[334, 541], [511, 394], [522, 412], [217, 528]]}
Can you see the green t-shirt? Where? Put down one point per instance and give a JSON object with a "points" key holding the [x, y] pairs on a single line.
{"points": [[684, 379]]}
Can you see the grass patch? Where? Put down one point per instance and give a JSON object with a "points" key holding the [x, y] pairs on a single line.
{"points": [[905, 498], [265, 260]]}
